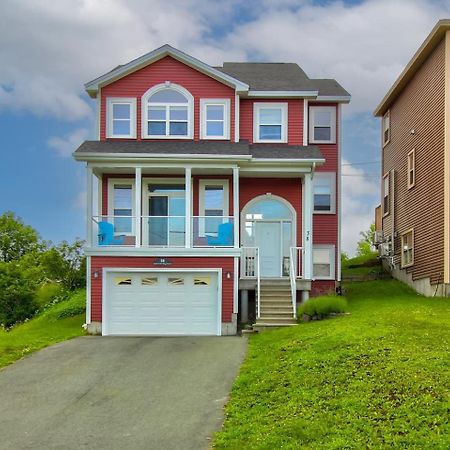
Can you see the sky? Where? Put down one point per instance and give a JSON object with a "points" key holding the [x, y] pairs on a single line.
{"points": [[49, 49]]}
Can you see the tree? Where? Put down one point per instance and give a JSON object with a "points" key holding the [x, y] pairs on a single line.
{"points": [[365, 245], [16, 238]]}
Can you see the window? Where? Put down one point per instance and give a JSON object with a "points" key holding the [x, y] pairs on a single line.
{"points": [[121, 118], [411, 168], [322, 124], [386, 195], [122, 281], [176, 281], [121, 206], [323, 262], [167, 112], [215, 118], [213, 203], [202, 281], [270, 122], [149, 281], [386, 128], [324, 193], [408, 248]]}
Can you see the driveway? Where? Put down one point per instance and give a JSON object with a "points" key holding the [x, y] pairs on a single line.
{"points": [[119, 392]]}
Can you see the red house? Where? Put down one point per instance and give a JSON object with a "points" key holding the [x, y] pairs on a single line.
{"points": [[209, 189]]}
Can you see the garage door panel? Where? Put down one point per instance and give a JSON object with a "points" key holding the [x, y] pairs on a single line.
{"points": [[158, 303]]}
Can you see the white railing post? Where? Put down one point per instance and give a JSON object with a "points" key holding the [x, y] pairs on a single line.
{"points": [[258, 284], [236, 212], [137, 206], [308, 226], [89, 206], [293, 278], [188, 211]]}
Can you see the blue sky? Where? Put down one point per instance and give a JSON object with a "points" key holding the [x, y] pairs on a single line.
{"points": [[49, 49]]}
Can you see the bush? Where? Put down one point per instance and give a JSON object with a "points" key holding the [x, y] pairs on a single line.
{"points": [[16, 295], [47, 292], [322, 306]]}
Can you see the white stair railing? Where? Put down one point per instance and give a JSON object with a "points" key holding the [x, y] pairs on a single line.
{"points": [[258, 285], [295, 271], [250, 268]]}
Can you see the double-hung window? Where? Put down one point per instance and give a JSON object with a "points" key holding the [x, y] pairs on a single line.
{"points": [[215, 118], [167, 113], [214, 203], [322, 124], [323, 262], [324, 193], [386, 194], [121, 118], [386, 127], [121, 206], [270, 122], [411, 168], [408, 248]]}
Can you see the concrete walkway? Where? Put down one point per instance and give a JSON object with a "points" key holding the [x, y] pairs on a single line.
{"points": [[119, 393]]}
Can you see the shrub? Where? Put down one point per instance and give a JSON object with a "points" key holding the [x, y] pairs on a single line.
{"points": [[322, 306], [47, 292]]}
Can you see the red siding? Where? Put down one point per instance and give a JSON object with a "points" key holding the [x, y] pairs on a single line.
{"points": [[288, 188], [99, 262], [295, 119], [166, 69]]}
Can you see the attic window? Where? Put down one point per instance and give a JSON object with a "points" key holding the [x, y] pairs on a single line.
{"points": [[167, 113]]}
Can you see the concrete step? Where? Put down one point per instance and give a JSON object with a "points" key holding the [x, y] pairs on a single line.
{"points": [[275, 310], [267, 296], [277, 319]]}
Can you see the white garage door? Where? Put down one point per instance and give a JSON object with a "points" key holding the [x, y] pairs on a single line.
{"points": [[161, 303]]}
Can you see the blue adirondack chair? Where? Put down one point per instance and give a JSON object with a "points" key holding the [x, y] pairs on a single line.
{"points": [[106, 235], [224, 236]]}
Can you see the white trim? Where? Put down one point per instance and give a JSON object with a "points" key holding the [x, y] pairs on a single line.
{"points": [[107, 270], [190, 111], [305, 122], [99, 114], [206, 252], [201, 201], [319, 179], [225, 102], [386, 117], [88, 289], [147, 59], [188, 207], [159, 156], [110, 209], [110, 102], [281, 94], [236, 214], [237, 105], [138, 205], [257, 107], [307, 244], [312, 111], [334, 98], [89, 205], [411, 163], [332, 252], [339, 193]]}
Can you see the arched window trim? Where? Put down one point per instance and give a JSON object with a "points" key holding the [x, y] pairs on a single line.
{"points": [[270, 197], [144, 108]]}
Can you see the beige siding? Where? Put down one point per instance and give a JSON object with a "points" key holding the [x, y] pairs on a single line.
{"points": [[420, 107]]}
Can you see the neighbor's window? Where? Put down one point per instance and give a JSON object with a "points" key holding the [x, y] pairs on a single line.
{"points": [[324, 192], [411, 168], [121, 118], [386, 195], [270, 122], [322, 124], [386, 127], [323, 262], [408, 248], [167, 113], [215, 119]]}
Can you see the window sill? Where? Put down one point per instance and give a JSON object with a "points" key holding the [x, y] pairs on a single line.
{"points": [[215, 138], [405, 266], [325, 212], [168, 137], [323, 142], [271, 141], [121, 137]]}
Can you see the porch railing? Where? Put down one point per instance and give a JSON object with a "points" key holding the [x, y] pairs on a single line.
{"points": [[295, 271], [212, 231], [114, 230]]}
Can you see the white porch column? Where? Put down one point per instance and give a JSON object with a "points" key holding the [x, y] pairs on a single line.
{"points": [[138, 205], [188, 211], [307, 226], [236, 212], [89, 206]]}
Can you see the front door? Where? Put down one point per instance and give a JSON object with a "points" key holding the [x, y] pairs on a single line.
{"points": [[268, 239]]}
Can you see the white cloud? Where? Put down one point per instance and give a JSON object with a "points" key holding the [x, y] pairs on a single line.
{"points": [[68, 144]]}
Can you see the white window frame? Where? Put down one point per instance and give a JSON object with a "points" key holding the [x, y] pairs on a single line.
{"points": [[257, 107], [190, 112], [411, 168], [404, 250], [201, 201], [110, 101], [204, 103], [332, 252], [312, 114], [386, 179], [386, 120], [111, 183], [330, 177]]}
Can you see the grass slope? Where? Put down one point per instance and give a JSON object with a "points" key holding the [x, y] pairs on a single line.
{"points": [[58, 323], [377, 378]]}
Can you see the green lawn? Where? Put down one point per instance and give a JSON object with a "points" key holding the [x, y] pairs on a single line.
{"points": [[377, 378], [58, 323]]}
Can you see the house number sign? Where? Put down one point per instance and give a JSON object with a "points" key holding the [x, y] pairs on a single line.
{"points": [[162, 262]]}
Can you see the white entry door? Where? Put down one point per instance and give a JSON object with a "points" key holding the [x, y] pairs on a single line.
{"points": [[268, 239]]}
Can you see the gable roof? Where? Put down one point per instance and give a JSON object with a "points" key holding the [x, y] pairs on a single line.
{"points": [[161, 52], [430, 43]]}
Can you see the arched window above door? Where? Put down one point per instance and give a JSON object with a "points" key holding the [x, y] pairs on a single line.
{"points": [[268, 209]]}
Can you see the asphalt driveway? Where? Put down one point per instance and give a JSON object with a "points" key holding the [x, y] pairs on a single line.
{"points": [[116, 393]]}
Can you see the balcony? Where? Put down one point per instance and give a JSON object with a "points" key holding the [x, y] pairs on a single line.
{"points": [[163, 231]]}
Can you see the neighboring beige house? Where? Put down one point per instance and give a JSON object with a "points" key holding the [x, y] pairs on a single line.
{"points": [[414, 230]]}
